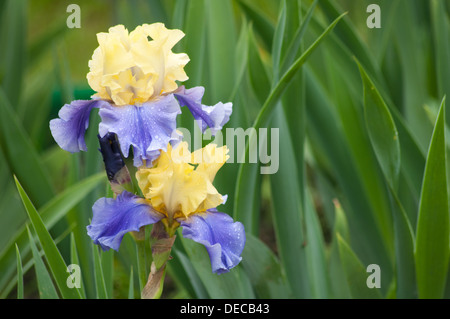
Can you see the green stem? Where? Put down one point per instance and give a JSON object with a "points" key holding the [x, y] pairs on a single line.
{"points": [[142, 257], [161, 243]]}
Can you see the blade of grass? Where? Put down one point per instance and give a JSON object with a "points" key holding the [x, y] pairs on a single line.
{"points": [[131, 285], [384, 138], [27, 265], [338, 286], [330, 145], [51, 213], [415, 94], [220, 48], [256, 70], [76, 261], [294, 45], [247, 171], [21, 156], [264, 270], [315, 253], [432, 239], [194, 280], [261, 22], [279, 39], [58, 207], [178, 14], [404, 252], [346, 32], [56, 262], [195, 46], [441, 35], [46, 288], [221, 43], [259, 81], [288, 212], [382, 130], [107, 262], [281, 85], [12, 40], [179, 270], [99, 277], [356, 273], [19, 274], [241, 56], [350, 113]]}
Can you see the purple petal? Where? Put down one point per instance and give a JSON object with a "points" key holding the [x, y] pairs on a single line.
{"points": [[68, 130], [113, 218], [148, 128], [214, 117], [223, 238]]}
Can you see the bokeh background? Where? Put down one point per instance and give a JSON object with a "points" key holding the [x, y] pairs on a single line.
{"points": [[362, 173]]}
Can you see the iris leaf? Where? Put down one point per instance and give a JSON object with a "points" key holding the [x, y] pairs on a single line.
{"points": [[19, 274], [382, 130], [99, 278], [264, 270], [56, 262], [21, 155], [432, 239], [356, 273], [46, 288], [51, 213], [248, 171], [234, 284]]}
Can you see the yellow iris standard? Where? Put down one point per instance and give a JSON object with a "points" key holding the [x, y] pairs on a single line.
{"points": [[136, 67], [180, 182]]}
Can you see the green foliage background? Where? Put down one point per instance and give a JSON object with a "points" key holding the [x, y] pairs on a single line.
{"points": [[363, 130]]}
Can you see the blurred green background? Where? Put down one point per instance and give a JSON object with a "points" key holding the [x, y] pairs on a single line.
{"points": [[362, 173]]}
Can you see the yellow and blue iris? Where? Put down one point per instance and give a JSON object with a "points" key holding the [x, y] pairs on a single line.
{"points": [[178, 190], [135, 76]]}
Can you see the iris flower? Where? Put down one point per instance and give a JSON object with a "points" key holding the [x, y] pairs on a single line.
{"points": [[134, 75], [178, 191]]}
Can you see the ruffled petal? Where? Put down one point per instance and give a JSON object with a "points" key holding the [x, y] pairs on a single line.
{"points": [[148, 128], [68, 130], [223, 238], [113, 218], [214, 117], [175, 186]]}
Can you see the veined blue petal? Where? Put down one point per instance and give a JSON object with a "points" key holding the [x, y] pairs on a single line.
{"points": [[214, 117], [148, 128], [68, 130], [113, 218], [223, 238]]}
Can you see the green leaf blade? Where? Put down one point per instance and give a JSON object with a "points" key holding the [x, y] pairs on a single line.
{"points": [[19, 275], [46, 288], [432, 239], [99, 277], [264, 270], [382, 130], [356, 273], [52, 254], [21, 155]]}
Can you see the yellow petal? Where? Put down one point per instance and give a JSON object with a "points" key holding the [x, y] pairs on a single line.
{"points": [[210, 159], [146, 54], [176, 187]]}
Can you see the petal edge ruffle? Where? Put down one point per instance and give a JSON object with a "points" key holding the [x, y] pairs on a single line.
{"points": [[113, 218], [214, 117], [223, 238], [148, 128], [69, 129]]}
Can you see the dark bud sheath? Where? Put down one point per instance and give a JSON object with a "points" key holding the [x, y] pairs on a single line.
{"points": [[109, 147], [115, 167]]}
